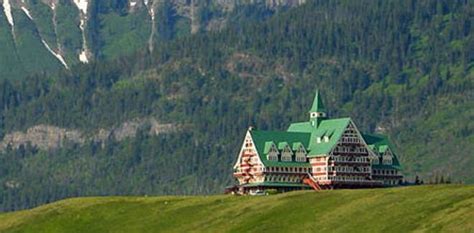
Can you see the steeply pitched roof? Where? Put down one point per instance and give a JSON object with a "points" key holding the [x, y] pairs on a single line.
{"points": [[282, 145], [297, 146], [380, 144], [318, 105], [268, 146], [333, 129], [302, 133], [262, 139]]}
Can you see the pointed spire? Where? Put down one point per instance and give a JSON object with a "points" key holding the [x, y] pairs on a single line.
{"points": [[318, 105]]}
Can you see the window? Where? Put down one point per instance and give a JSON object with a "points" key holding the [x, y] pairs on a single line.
{"points": [[273, 154], [387, 160], [300, 154], [375, 160], [387, 157], [286, 154]]}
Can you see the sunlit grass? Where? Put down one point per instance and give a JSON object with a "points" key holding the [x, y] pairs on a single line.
{"points": [[424, 208]]}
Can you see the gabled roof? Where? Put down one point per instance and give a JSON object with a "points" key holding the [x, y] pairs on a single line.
{"points": [[268, 146], [383, 148], [304, 134], [262, 138], [332, 128], [282, 145], [380, 144], [318, 105], [297, 146]]}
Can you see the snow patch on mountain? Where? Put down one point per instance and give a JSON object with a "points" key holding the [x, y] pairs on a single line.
{"points": [[82, 5], [151, 12], [7, 9], [27, 13], [83, 57], [57, 55]]}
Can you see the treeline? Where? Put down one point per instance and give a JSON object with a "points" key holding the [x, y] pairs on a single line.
{"points": [[400, 67]]}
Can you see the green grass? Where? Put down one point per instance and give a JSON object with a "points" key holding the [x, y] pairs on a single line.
{"points": [[443, 208]]}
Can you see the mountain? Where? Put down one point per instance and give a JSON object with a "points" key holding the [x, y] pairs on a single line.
{"points": [[46, 35], [172, 121], [420, 209]]}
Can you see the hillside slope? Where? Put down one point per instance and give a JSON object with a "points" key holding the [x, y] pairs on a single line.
{"points": [[401, 68], [422, 209]]}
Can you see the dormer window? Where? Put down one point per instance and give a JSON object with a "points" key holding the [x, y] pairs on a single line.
{"points": [[286, 154], [326, 138], [375, 160], [318, 139], [300, 154], [273, 154], [387, 158], [271, 151]]}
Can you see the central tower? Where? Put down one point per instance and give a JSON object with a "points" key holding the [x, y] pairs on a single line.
{"points": [[317, 111]]}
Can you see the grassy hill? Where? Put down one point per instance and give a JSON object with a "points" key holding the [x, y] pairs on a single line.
{"points": [[442, 208]]}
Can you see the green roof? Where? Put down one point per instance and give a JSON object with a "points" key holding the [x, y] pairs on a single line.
{"points": [[380, 144], [282, 145], [333, 129], [383, 148], [263, 140], [302, 127], [318, 105], [301, 134], [297, 145], [268, 146]]}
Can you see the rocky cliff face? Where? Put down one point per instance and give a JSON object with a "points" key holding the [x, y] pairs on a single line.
{"points": [[51, 34], [46, 137]]}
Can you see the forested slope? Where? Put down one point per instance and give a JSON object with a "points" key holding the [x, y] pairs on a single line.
{"points": [[400, 68]]}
